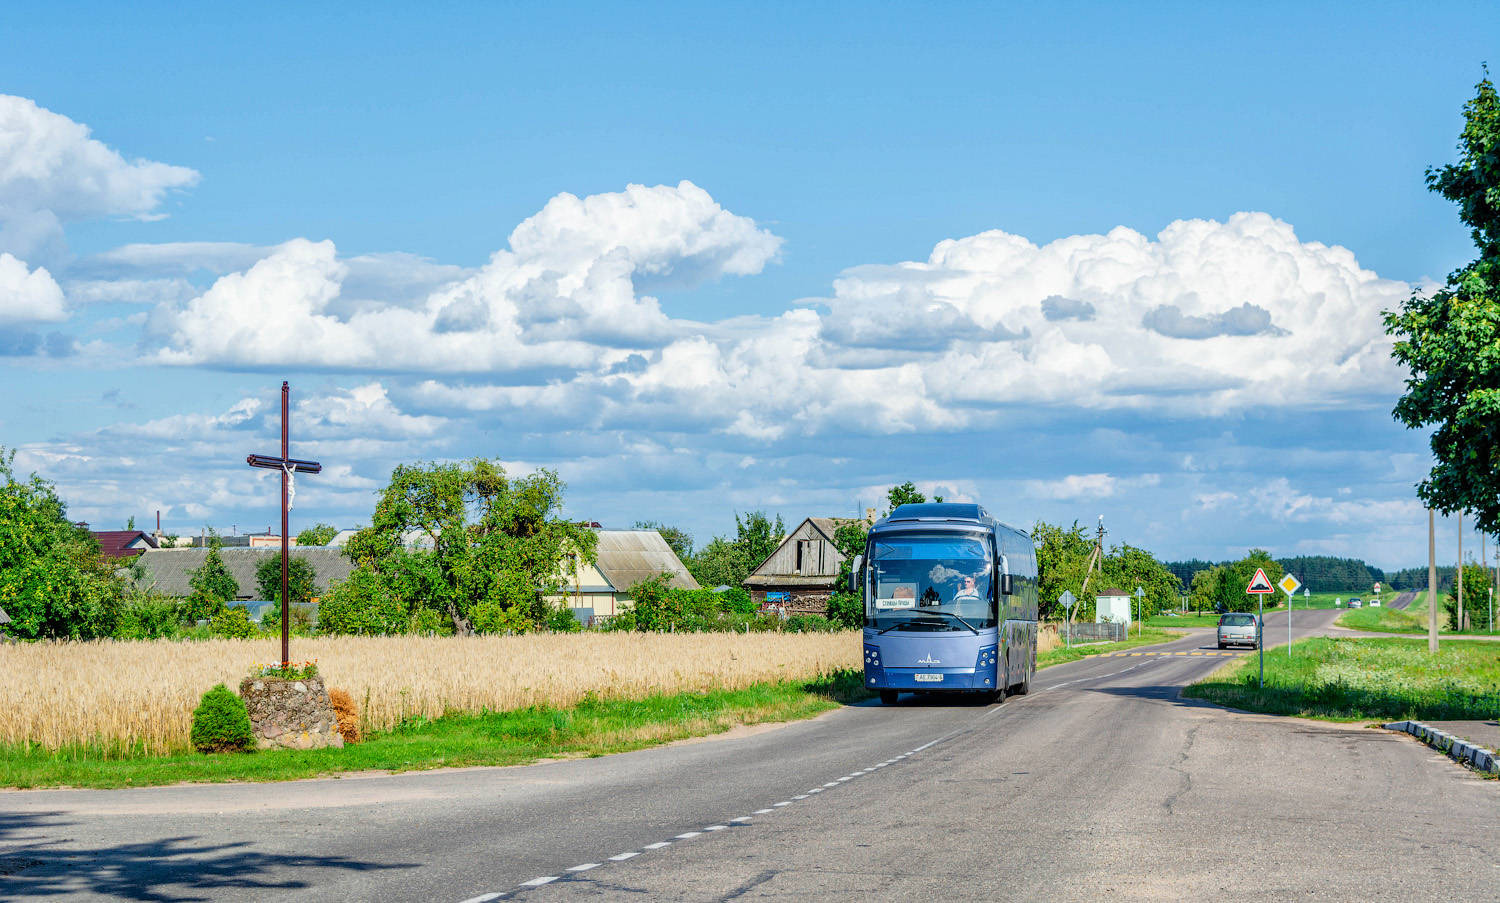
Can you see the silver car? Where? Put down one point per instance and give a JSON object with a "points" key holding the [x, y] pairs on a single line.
{"points": [[1239, 629]]}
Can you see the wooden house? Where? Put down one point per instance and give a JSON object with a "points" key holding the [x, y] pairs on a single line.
{"points": [[800, 575]]}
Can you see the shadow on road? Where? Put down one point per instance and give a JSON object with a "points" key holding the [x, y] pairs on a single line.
{"points": [[35, 866]]}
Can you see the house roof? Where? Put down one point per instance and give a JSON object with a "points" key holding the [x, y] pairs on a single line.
{"points": [[626, 557], [123, 543], [1112, 591], [169, 570], [818, 528]]}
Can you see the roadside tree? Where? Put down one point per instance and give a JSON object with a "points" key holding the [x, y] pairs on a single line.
{"points": [[53, 582], [1450, 340], [489, 547]]}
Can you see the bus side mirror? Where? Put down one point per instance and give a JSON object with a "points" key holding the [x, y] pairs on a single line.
{"points": [[1003, 567], [859, 562]]}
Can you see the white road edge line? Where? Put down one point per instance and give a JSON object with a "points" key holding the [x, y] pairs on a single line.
{"points": [[538, 882], [483, 898], [688, 834], [780, 804], [741, 818], [763, 811], [624, 856], [657, 846], [585, 867], [816, 790]]}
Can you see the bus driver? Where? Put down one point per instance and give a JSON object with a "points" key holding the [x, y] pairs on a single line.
{"points": [[968, 592]]}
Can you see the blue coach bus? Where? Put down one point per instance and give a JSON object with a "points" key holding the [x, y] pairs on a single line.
{"points": [[950, 598]]}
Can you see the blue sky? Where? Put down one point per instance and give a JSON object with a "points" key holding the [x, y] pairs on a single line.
{"points": [[851, 289]]}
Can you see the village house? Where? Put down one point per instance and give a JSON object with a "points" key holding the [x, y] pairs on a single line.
{"points": [[801, 574], [168, 571], [122, 545], [624, 558]]}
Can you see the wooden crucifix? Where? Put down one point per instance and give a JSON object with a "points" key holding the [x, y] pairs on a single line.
{"points": [[288, 466]]}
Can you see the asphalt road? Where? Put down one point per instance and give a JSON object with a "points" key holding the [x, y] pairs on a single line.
{"points": [[1101, 784]]}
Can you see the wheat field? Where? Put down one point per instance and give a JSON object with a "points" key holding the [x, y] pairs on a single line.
{"points": [[140, 695]]}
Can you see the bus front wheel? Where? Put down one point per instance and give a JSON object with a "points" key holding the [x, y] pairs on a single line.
{"points": [[888, 697]]}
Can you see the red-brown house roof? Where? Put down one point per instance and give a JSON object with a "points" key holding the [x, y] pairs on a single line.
{"points": [[117, 543]]}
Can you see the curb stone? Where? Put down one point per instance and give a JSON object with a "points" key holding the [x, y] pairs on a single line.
{"points": [[1461, 750]]}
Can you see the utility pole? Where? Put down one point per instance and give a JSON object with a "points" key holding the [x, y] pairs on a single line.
{"points": [[1096, 559], [1460, 575], [1432, 599]]}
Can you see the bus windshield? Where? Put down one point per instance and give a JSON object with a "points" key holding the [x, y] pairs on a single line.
{"points": [[930, 583]]}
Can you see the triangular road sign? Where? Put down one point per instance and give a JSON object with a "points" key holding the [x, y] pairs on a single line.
{"points": [[1259, 584]]}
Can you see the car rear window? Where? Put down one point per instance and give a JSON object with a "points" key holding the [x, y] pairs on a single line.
{"points": [[1237, 621]]}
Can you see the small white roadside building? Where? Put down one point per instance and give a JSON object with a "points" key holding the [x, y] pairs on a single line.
{"points": [[1112, 605]]}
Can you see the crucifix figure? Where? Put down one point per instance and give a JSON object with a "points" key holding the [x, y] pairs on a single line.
{"points": [[288, 466]]}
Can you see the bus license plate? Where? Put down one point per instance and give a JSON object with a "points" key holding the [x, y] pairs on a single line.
{"points": [[929, 678]]}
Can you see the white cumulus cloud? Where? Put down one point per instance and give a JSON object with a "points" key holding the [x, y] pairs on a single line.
{"points": [[52, 172], [28, 296], [564, 295]]}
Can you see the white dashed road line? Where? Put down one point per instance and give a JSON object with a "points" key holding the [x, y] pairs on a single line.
{"points": [[740, 822]]}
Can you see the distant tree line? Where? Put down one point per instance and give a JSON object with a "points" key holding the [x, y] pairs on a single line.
{"points": [[1319, 573]]}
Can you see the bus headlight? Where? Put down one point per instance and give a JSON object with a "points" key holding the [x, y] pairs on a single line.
{"points": [[988, 656], [872, 656]]}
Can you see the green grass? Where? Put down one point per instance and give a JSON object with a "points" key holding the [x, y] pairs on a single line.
{"points": [[1364, 679], [1412, 619], [1383, 620], [592, 728], [1151, 637]]}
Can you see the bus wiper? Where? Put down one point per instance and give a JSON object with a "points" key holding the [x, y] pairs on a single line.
{"points": [[947, 614]]}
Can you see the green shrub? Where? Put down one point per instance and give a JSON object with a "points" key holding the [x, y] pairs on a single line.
{"points": [[147, 617], [234, 623], [846, 610], [212, 579], [363, 605], [221, 723], [809, 624], [200, 606], [430, 620], [561, 620]]}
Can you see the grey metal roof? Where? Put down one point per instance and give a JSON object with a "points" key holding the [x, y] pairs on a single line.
{"points": [[169, 570], [626, 557]]}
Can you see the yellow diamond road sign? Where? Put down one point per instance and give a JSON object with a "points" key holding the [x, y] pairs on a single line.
{"points": [[1289, 584]]}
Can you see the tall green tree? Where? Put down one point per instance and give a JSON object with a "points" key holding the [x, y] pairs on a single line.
{"points": [[213, 586], [1062, 557], [727, 562], [1128, 567], [845, 606], [680, 540], [53, 582], [489, 546], [317, 535], [905, 494], [1450, 340], [1476, 598], [302, 580]]}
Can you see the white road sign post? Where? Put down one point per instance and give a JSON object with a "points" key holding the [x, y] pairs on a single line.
{"points": [[1259, 586], [1139, 595], [1289, 585], [1067, 599]]}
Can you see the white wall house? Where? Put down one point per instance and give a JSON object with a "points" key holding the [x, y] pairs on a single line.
{"points": [[1113, 605]]}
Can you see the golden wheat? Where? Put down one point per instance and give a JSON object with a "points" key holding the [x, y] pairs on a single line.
{"points": [[141, 695]]}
